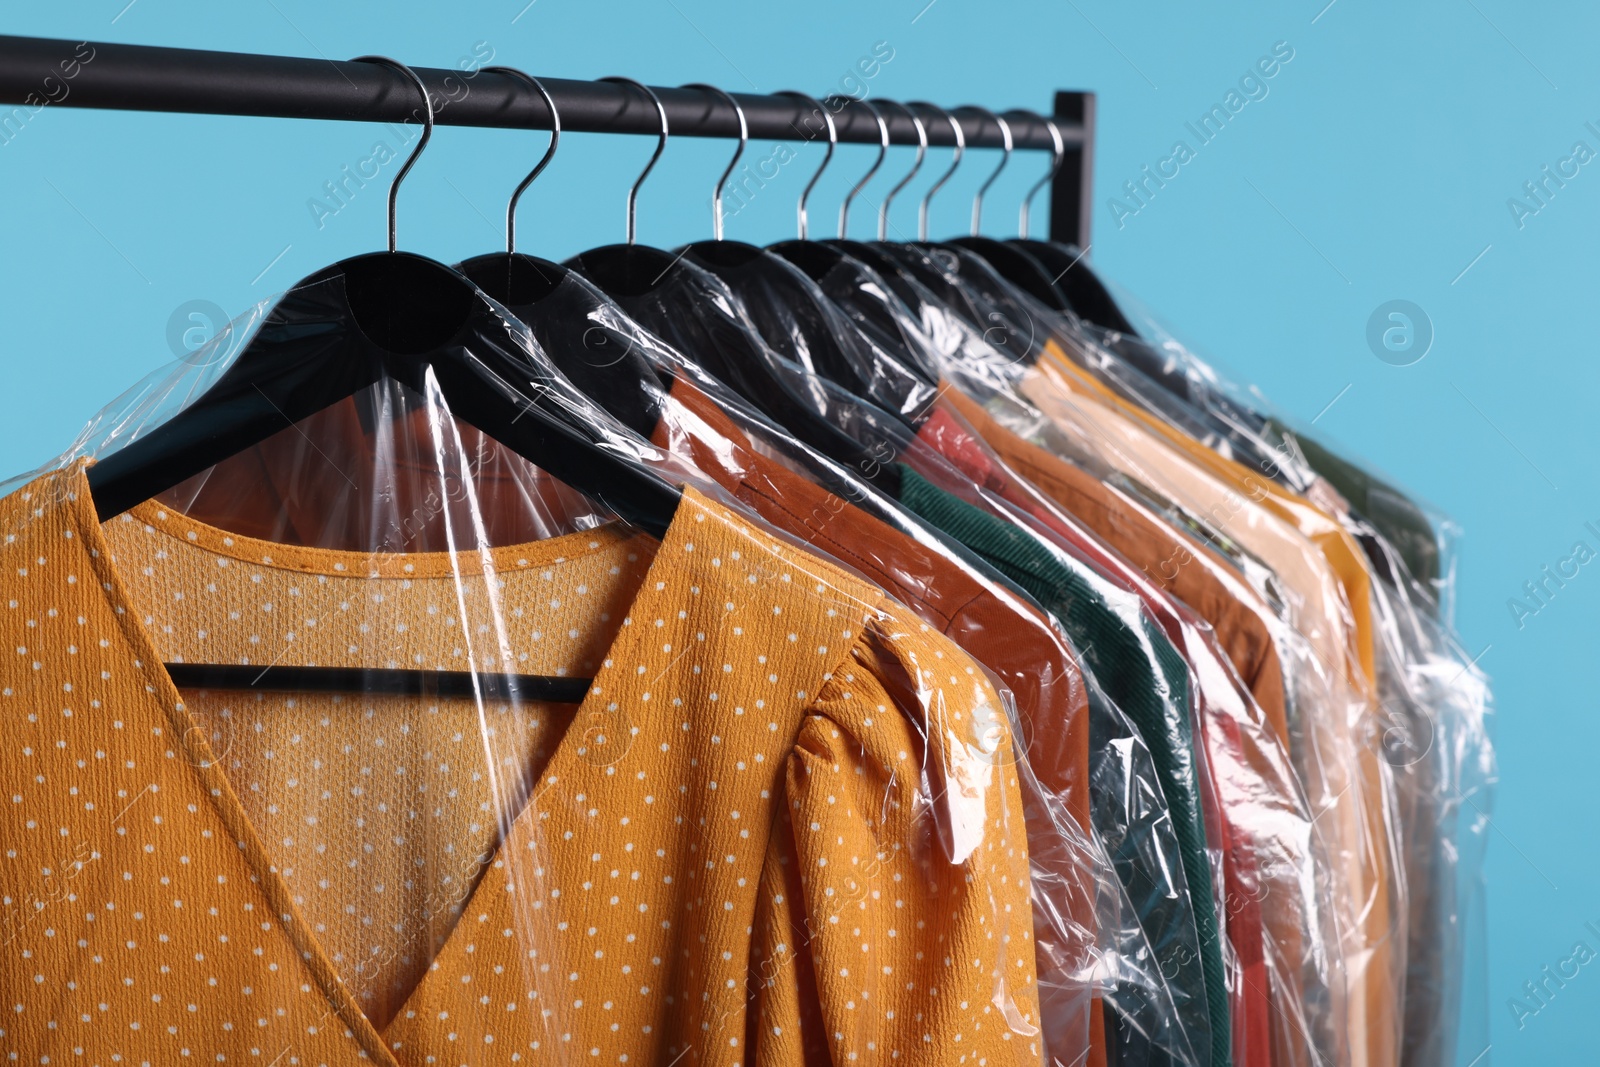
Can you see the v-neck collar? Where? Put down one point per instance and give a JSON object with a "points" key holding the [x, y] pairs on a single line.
{"points": [[205, 764]]}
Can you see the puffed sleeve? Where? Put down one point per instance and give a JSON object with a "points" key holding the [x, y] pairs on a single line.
{"points": [[894, 922]]}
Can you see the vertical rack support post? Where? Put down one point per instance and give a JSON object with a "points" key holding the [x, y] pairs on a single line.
{"points": [[1072, 191]]}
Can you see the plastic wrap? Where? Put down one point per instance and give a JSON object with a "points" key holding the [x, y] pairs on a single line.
{"points": [[1276, 876], [832, 784], [1004, 323], [1146, 695], [784, 820], [1434, 701], [701, 316], [1437, 708], [881, 320], [1334, 729], [1142, 749], [1290, 975], [800, 323], [1275, 893], [1420, 534]]}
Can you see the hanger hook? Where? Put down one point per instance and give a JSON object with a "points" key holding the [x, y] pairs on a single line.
{"points": [[955, 161], [922, 154], [1060, 151], [883, 150], [833, 141], [744, 136], [549, 153], [427, 132], [1005, 137], [633, 190]]}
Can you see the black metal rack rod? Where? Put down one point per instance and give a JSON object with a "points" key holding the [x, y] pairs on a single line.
{"points": [[58, 73], [144, 78]]}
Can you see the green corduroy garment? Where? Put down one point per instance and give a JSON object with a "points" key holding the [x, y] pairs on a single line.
{"points": [[1137, 667]]}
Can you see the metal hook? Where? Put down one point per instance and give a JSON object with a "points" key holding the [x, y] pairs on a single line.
{"points": [[883, 150], [1005, 136], [633, 190], [833, 141], [427, 132], [955, 161], [549, 153], [1055, 165], [922, 153], [744, 136]]}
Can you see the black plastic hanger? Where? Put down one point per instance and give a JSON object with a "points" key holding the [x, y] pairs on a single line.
{"points": [[868, 254], [939, 265], [874, 256], [814, 257], [1086, 296], [1013, 264], [693, 310], [385, 314], [936, 268], [840, 267], [508, 274], [898, 266], [908, 258], [727, 259], [602, 366], [795, 318], [630, 267]]}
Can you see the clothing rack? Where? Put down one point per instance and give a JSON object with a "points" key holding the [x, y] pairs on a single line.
{"points": [[38, 72]]}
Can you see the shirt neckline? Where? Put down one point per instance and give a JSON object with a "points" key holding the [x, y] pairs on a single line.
{"points": [[382, 564], [206, 766]]}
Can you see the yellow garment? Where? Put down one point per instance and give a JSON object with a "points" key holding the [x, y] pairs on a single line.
{"points": [[1318, 605], [781, 824], [1344, 778], [1311, 518]]}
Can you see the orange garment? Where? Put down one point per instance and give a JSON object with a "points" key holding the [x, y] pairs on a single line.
{"points": [[286, 489], [1314, 519], [780, 826], [1335, 753], [1010, 637]]}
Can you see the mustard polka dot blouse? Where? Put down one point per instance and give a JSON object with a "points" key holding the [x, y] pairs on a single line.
{"points": [[783, 826]]}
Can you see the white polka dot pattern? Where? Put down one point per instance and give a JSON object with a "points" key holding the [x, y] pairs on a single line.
{"points": [[379, 812], [768, 834]]}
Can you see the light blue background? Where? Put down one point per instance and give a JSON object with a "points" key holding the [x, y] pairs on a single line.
{"points": [[1379, 167]]}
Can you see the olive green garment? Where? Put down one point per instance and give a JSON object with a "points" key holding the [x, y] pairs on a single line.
{"points": [[1394, 514]]}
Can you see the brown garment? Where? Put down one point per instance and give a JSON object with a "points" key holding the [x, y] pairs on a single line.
{"points": [[1170, 558]]}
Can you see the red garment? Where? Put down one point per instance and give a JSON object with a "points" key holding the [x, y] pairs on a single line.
{"points": [[1224, 716]]}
